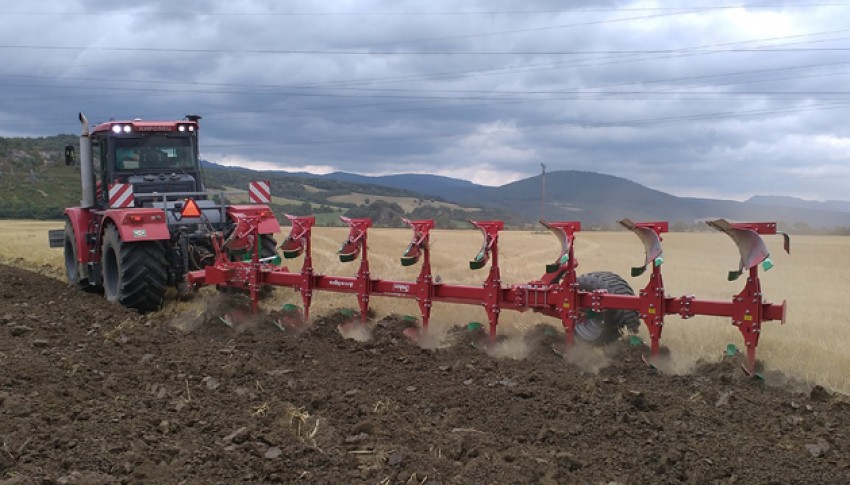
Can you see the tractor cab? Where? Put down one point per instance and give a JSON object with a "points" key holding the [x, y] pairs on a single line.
{"points": [[159, 159]]}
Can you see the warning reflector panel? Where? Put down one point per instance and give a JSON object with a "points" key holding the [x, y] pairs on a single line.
{"points": [[190, 209], [121, 196], [259, 192]]}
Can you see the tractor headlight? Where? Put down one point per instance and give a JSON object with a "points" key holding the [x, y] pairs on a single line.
{"points": [[116, 129], [128, 128]]}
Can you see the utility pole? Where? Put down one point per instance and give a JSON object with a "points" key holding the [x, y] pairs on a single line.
{"points": [[543, 192]]}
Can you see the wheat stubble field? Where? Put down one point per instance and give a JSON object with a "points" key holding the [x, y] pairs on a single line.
{"points": [[813, 345]]}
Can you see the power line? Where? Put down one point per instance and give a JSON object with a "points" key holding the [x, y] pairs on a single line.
{"points": [[432, 94], [548, 127], [421, 13], [169, 50]]}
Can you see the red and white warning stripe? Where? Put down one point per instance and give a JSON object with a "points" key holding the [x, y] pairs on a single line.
{"points": [[259, 192], [121, 196]]}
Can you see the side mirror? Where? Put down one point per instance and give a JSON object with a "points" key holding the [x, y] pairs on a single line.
{"points": [[70, 157]]}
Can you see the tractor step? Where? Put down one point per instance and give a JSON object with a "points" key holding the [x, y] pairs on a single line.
{"points": [[57, 238]]}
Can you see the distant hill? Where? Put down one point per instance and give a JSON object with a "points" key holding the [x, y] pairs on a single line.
{"points": [[434, 185], [35, 183], [786, 201], [600, 200]]}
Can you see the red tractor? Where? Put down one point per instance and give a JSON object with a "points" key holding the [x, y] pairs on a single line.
{"points": [[146, 218]]}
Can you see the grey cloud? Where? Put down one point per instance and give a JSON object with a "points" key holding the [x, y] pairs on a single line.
{"points": [[685, 118]]}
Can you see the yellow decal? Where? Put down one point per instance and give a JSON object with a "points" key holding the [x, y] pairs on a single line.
{"points": [[651, 311], [566, 304], [748, 318]]}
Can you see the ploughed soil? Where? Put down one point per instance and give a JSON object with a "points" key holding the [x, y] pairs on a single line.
{"points": [[92, 393]]}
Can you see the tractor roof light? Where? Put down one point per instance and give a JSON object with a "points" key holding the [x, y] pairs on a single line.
{"points": [[116, 129], [181, 128]]}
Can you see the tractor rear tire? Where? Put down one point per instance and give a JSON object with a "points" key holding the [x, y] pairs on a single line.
{"points": [[607, 326], [73, 268], [134, 274]]}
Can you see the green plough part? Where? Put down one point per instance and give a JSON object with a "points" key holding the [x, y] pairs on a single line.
{"points": [[553, 267], [347, 258], [479, 261]]}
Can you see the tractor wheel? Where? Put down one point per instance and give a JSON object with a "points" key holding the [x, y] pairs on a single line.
{"points": [[134, 274], [73, 268], [605, 327]]}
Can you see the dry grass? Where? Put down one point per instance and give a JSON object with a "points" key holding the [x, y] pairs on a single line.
{"points": [[814, 344]]}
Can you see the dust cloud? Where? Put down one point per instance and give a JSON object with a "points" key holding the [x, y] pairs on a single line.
{"points": [[514, 347], [355, 330], [436, 336]]}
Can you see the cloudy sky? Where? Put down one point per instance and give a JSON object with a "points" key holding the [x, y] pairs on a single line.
{"points": [[715, 99]]}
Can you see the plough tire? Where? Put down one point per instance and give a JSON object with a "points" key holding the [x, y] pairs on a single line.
{"points": [[73, 268], [268, 246], [135, 275], [607, 326], [268, 249]]}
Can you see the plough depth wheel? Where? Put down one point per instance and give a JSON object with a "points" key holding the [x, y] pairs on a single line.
{"points": [[606, 326]]}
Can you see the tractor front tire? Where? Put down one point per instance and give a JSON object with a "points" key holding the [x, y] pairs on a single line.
{"points": [[73, 267], [607, 326], [134, 274]]}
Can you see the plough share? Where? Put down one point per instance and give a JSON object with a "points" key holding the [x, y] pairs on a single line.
{"points": [[558, 293]]}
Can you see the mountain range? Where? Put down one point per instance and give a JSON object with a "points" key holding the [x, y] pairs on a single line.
{"points": [[34, 183], [600, 200]]}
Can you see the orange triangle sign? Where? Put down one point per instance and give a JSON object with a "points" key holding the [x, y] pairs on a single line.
{"points": [[190, 209]]}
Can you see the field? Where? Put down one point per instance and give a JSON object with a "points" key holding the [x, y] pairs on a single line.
{"points": [[94, 393], [813, 345]]}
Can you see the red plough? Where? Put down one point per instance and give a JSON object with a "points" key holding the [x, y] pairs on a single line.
{"points": [[560, 292]]}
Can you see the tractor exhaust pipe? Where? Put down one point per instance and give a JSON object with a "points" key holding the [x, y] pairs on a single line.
{"points": [[86, 165]]}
